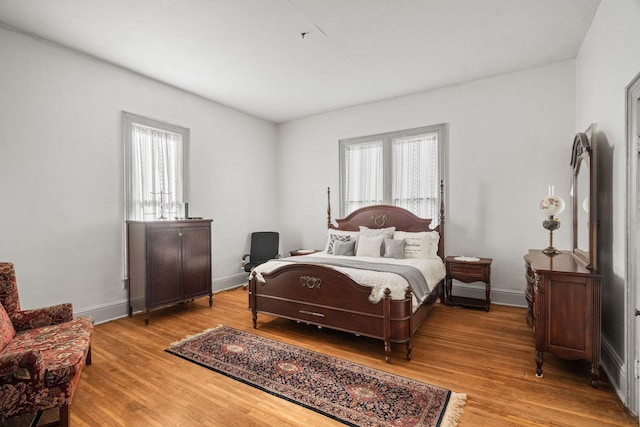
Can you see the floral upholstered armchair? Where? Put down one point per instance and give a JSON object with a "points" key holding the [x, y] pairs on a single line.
{"points": [[42, 353]]}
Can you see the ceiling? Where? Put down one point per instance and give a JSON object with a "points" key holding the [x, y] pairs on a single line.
{"points": [[285, 59]]}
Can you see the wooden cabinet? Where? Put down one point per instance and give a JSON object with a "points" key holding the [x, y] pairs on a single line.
{"points": [[168, 262], [563, 300]]}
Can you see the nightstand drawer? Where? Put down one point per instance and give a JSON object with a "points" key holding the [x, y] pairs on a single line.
{"points": [[471, 270]]}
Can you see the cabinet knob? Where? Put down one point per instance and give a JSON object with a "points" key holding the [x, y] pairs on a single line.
{"points": [[179, 233]]}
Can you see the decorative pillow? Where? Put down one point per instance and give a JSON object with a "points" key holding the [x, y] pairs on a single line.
{"points": [[7, 331], [394, 248], [344, 248], [422, 244], [369, 246], [339, 235], [370, 232]]}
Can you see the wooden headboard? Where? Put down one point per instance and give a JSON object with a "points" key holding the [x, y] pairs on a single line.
{"points": [[382, 216]]}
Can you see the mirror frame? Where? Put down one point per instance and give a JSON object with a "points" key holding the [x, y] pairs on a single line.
{"points": [[583, 149]]}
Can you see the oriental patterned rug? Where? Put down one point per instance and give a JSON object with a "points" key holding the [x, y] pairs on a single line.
{"points": [[353, 394]]}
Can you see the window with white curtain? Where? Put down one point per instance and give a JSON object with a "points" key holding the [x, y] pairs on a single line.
{"points": [[156, 169], [402, 168]]}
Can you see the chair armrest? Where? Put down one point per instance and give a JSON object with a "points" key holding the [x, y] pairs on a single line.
{"points": [[45, 316], [244, 260], [21, 366]]}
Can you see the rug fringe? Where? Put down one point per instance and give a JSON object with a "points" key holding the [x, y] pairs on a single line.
{"points": [[188, 337], [454, 410]]}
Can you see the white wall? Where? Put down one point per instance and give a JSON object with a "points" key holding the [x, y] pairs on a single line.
{"points": [[608, 61], [61, 220], [509, 138]]}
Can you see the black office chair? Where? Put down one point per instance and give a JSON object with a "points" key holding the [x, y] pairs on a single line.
{"points": [[264, 246]]}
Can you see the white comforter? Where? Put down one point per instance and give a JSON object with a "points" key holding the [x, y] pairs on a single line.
{"points": [[432, 268]]}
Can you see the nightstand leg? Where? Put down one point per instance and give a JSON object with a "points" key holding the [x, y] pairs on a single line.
{"points": [[539, 360], [447, 291], [488, 294]]}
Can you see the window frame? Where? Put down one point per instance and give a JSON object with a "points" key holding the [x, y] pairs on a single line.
{"points": [[128, 119], [440, 129]]}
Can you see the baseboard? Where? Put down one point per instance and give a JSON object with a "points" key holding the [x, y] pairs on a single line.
{"points": [[615, 369], [119, 309], [499, 296], [105, 312], [230, 282]]}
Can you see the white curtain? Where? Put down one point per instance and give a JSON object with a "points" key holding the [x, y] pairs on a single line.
{"points": [[363, 175], [157, 182], [415, 174]]}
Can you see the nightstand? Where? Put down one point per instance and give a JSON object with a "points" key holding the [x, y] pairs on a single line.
{"points": [[467, 272]]}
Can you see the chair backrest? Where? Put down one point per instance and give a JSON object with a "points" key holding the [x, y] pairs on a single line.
{"points": [[264, 246], [9, 288]]}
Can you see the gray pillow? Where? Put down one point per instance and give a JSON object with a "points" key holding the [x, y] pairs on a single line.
{"points": [[344, 248], [394, 248], [336, 238]]}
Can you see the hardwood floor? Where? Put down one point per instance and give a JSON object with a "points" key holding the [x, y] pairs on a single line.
{"points": [[489, 356]]}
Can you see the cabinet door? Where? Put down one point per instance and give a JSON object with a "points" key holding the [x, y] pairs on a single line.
{"points": [[197, 261], [163, 265], [568, 316]]}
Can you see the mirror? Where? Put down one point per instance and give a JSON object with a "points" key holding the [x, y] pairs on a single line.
{"points": [[584, 200]]}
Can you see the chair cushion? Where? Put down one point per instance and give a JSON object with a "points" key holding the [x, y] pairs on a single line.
{"points": [[64, 347], [7, 331]]}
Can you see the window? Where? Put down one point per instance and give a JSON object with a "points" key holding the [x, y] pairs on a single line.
{"points": [[402, 168], [156, 169]]}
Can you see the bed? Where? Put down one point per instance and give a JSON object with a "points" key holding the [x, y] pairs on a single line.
{"points": [[332, 289]]}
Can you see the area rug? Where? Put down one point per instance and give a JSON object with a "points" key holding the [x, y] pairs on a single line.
{"points": [[353, 394]]}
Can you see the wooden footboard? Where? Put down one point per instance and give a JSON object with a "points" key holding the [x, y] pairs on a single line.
{"points": [[323, 296]]}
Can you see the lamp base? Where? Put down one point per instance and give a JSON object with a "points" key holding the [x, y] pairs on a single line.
{"points": [[551, 251]]}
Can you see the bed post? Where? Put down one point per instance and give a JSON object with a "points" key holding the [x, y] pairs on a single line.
{"points": [[408, 298], [329, 207], [253, 299], [441, 223], [386, 323]]}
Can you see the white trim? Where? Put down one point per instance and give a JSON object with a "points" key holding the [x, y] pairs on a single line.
{"points": [[631, 289], [615, 370]]}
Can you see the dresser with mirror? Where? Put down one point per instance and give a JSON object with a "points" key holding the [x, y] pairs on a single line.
{"points": [[563, 290]]}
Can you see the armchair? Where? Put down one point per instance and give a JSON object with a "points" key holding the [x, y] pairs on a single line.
{"points": [[42, 353]]}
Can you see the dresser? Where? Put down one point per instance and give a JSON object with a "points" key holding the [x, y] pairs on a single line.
{"points": [[563, 307], [168, 262]]}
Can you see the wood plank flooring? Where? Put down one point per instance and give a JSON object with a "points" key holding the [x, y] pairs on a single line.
{"points": [[488, 356]]}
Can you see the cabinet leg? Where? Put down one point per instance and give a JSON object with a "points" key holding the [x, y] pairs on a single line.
{"points": [[539, 360], [210, 300], [409, 348]]}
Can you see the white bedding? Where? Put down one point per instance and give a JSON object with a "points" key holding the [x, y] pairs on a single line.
{"points": [[433, 270]]}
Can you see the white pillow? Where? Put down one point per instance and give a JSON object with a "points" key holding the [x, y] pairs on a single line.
{"points": [[422, 244], [333, 235], [369, 246], [370, 232]]}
